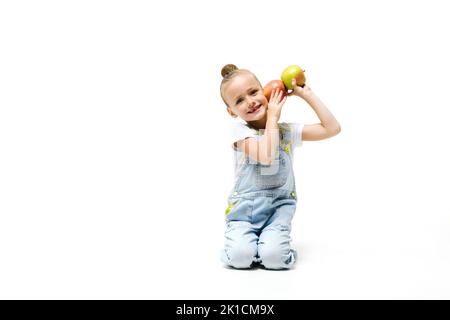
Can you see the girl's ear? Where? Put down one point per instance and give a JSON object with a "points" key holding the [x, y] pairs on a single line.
{"points": [[231, 112]]}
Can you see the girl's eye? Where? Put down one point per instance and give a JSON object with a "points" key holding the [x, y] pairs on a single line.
{"points": [[253, 92]]}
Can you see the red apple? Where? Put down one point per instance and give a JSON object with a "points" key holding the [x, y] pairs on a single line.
{"points": [[272, 85]]}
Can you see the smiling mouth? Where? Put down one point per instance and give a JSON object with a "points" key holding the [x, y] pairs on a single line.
{"points": [[255, 110]]}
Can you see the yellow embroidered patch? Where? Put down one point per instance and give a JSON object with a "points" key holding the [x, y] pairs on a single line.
{"points": [[230, 206]]}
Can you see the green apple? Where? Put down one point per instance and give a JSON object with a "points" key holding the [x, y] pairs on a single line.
{"points": [[293, 72]]}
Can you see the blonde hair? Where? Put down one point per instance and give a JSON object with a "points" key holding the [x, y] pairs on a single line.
{"points": [[229, 72]]}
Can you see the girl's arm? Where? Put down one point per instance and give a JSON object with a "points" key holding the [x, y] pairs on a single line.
{"points": [[328, 127], [264, 150]]}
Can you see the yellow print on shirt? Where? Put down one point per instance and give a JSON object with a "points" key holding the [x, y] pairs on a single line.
{"points": [[285, 144]]}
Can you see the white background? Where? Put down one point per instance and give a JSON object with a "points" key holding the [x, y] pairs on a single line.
{"points": [[115, 168]]}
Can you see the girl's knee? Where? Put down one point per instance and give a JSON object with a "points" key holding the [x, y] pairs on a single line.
{"points": [[239, 257], [276, 257]]}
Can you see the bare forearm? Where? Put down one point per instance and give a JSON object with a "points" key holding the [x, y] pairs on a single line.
{"points": [[327, 119], [271, 139]]}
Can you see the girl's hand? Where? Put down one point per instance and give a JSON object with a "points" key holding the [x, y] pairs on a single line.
{"points": [[275, 104], [303, 93]]}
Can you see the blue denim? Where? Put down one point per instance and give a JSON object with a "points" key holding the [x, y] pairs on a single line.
{"points": [[261, 207]]}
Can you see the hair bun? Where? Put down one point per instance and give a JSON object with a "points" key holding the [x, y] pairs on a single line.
{"points": [[228, 69]]}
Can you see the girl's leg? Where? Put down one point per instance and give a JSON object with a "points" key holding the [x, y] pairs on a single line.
{"points": [[240, 245], [274, 247]]}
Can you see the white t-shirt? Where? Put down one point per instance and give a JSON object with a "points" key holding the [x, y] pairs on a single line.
{"points": [[241, 130]]}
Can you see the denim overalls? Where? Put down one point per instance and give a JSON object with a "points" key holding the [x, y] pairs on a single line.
{"points": [[260, 209]]}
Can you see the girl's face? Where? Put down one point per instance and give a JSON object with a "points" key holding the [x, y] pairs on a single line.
{"points": [[245, 98]]}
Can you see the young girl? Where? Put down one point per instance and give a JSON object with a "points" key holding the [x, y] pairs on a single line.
{"points": [[263, 200]]}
